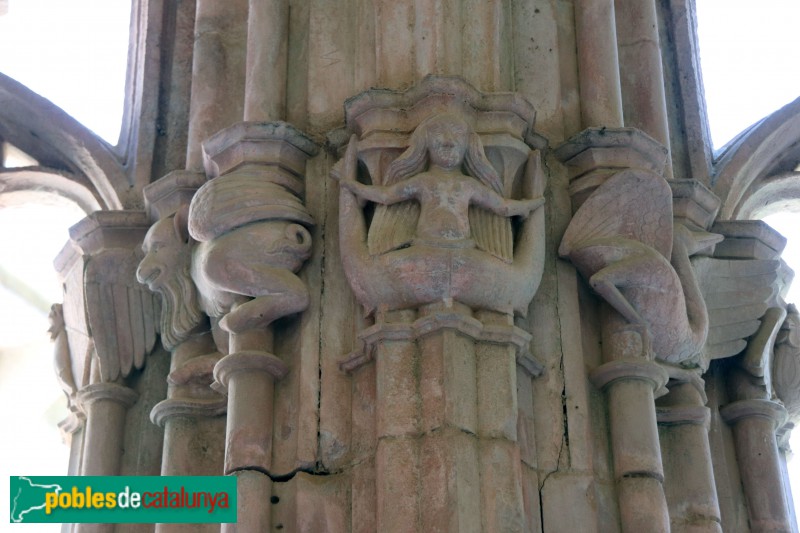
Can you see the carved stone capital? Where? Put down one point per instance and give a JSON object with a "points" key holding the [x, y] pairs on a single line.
{"points": [[736, 411], [608, 373], [595, 154], [167, 195], [748, 239], [786, 364], [446, 169], [275, 146], [251, 225], [120, 314], [693, 204]]}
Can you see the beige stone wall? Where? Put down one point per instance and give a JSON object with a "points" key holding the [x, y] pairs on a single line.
{"points": [[574, 412]]}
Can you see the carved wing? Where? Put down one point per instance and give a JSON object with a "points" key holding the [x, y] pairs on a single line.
{"points": [[737, 293], [635, 204], [121, 313], [492, 233], [392, 227]]}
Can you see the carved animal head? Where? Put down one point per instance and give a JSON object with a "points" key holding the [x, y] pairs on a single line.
{"points": [[693, 241], [448, 141], [165, 270]]}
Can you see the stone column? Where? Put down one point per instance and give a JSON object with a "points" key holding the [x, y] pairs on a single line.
{"points": [[444, 287], [598, 63], [218, 72], [193, 413], [105, 405], [251, 226], [631, 381], [683, 420], [786, 382], [113, 337], [749, 256], [267, 43], [754, 423], [446, 409], [641, 72]]}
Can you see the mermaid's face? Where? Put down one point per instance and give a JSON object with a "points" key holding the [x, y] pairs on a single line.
{"points": [[447, 142]]}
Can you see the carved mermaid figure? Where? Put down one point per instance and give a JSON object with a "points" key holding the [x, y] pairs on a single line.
{"points": [[442, 225], [444, 192]]}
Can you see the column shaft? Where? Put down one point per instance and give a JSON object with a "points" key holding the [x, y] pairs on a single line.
{"points": [[105, 405], [500, 467], [218, 72], [754, 423], [249, 374], [397, 410], [267, 43], [641, 72], [598, 63], [449, 464], [689, 477]]}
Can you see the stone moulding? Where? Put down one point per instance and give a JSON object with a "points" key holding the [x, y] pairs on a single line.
{"points": [[106, 392], [471, 327], [251, 223], [595, 154], [187, 408], [610, 372], [687, 414]]}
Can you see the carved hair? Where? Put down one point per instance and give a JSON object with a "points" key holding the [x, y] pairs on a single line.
{"points": [[180, 308], [415, 159]]}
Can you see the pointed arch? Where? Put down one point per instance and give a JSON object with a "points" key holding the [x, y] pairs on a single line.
{"points": [[758, 173], [63, 147]]}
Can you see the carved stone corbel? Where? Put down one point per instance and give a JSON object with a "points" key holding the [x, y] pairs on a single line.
{"points": [[442, 240], [112, 325], [625, 241], [252, 232], [192, 415]]}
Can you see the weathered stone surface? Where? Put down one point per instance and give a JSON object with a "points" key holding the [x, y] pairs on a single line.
{"points": [[490, 385], [639, 263]]}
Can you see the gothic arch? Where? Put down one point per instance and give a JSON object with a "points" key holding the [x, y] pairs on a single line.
{"points": [[758, 173], [73, 162]]}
